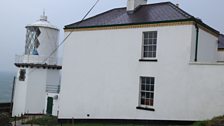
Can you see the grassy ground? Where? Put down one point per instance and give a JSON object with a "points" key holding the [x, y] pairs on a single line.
{"points": [[217, 121], [52, 121], [98, 124]]}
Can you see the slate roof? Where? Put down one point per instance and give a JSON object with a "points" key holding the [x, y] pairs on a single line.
{"points": [[158, 12], [221, 41], [150, 13]]}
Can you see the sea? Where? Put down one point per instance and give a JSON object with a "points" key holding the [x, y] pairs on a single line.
{"points": [[6, 84]]}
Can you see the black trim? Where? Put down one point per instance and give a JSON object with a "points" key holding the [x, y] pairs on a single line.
{"points": [[196, 43], [44, 66], [34, 114], [125, 121], [148, 60], [141, 23], [148, 109]]}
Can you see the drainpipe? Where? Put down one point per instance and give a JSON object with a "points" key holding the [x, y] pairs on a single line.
{"points": [[196, 43]]}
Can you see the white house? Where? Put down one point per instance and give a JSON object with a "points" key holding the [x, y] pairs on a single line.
{"points": [[143, 62], [38, 79]]}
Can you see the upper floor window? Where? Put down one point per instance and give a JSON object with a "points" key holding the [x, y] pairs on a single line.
{"points": [[149, 44]]}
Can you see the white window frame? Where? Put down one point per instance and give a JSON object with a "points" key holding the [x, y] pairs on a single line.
{"points": [[140, 91], [143, 45]]}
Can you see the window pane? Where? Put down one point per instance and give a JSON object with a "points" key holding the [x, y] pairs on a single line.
{"points": [[150, 54], [155, 34], [154, 41], [147, 48], [148, 80], [147, 87], [146, 41], [143, 87], [142, 101], [152, 80], [143, 80], [154, 48], [151, 95], [147, 102], [146, 35], [143, 95], [150, 34], [151, 102], [146, 54], [150, 41], [147, 95], [151, 88]]}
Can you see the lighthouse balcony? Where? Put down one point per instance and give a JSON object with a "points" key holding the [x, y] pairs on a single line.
{"points": [[35, 59]]}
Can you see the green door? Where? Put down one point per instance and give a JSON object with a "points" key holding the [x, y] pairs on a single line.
{"points": [[49, 105]]}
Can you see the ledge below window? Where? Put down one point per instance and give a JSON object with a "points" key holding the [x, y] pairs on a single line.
{"points": [[148, 60], [147, 109]]}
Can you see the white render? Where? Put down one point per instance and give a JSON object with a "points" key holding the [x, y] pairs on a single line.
{"points": [[133, 4], [221, 56], [29, 97], [55, 102], [101, 72]]}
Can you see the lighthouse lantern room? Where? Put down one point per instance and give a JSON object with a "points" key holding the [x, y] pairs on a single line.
{"points": [[38, 79]]}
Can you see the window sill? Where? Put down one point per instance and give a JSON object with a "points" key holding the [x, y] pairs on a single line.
{"points": [[148, 60], [147, 109]]}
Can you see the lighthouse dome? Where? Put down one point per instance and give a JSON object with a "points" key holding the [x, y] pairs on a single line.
{"points": [[43, 22]]}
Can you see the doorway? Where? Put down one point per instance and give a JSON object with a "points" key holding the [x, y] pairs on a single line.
{"points": [[49, 105]]}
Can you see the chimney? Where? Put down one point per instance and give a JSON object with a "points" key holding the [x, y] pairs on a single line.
{"points": [[133, 4]]}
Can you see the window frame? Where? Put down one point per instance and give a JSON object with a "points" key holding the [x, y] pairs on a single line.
{"points": [[141, 106], [22, 75], [143, 58]]}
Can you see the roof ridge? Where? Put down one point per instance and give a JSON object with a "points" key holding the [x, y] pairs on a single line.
{"points": [[184, 13], [95, 16]]}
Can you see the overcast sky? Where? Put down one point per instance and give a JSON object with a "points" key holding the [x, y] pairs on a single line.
{"points": [[15, 15]]}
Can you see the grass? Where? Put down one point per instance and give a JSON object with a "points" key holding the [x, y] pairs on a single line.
{"points": [[44, 121], [52, 121], [101, 124]]}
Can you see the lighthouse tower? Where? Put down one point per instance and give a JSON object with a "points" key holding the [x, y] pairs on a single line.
{"points": [[38, 79]]}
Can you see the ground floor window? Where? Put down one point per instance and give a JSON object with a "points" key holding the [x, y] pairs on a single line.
{"points": [[147, 91]]}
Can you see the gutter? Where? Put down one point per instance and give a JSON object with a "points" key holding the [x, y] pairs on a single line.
{"points": [[196, 43]]}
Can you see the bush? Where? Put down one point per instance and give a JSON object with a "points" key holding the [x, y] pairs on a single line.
{"points": [[44, 121], [200, 123], [217, 121], [4, 119]]}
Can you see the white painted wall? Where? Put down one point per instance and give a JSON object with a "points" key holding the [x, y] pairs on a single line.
{"points": [[207, 47], [36, 91], [133, 4], [30, 95], [101, 71], [53, 77], [19, 99], [220, 56], [48, 41]]}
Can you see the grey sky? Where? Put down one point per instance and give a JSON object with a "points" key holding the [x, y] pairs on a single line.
{"points": [[15, 15]]}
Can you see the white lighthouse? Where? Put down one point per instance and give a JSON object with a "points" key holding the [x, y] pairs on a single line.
{"points": [[38, 78]]}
